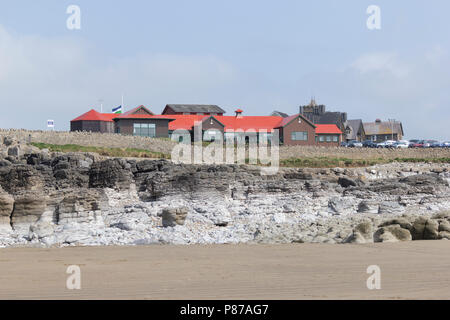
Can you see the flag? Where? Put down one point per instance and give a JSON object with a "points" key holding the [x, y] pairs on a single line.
{"points": [[117, 110]]}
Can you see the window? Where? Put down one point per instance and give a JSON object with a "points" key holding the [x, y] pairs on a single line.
{"points": [[321, 138], [299, 136], [328, 138], [212, 134], [144, 129], [335, 138]]}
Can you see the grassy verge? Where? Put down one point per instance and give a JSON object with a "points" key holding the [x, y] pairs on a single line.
{"points": [[109, 152], [311, 162], [327, 162]]}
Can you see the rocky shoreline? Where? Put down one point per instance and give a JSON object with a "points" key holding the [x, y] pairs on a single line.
{"points": [[53, 199]]}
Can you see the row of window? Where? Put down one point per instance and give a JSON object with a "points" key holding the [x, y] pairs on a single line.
{"points": [[299, 136], [213, 134], [327, 138], [149, 130], [303, 136], [144, 129]]}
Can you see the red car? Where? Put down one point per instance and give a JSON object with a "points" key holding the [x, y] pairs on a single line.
{"points": [[416, 144]]}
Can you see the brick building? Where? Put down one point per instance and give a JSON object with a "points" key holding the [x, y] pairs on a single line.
{"points": [[140, 121]]}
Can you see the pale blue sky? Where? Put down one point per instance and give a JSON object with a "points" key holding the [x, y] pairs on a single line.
{"points": [[255, 55]]}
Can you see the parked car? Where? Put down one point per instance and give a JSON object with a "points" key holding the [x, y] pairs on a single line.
{"points": [[416, 144], [401, 144], [354, 144], [428, 143], [446, 144], [344, 144], [369, 144], [436, 144], [386, 144]]}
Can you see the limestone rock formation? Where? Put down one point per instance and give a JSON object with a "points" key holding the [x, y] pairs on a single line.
{"points": [[28, 208], [6, 208], [84, 199]]}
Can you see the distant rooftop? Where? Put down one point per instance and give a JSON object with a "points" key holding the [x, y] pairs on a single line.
{"points": [[204, 108]]}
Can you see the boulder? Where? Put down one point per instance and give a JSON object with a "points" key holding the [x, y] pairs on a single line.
{"points": [[174, 216], [391, 207], [402, 222], [367, 206], [392, 233], [339, 205], [355, 237], [423, 179], [14, 151], [442, 215], [40, 230], [8, 141], [365, 229], [444, 225], [362, 233], [425, 229], [444, 235], [346, 182]]}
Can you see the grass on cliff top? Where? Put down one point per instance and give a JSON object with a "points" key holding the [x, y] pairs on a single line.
{"points": [[103, 151], [309, 162], [328, 162]]}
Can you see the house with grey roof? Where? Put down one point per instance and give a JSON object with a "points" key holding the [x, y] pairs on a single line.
{"points": [[279, 114], [355, 130], [193, 109], [380, 131]]}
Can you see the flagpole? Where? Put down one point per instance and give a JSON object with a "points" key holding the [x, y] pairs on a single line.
{"points": [[123, 107]]}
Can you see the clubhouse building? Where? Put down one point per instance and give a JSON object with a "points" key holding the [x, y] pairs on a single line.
{"points": [[293, 130]]}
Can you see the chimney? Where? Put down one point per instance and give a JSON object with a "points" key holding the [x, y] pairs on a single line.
{"points": [[238, 113]]}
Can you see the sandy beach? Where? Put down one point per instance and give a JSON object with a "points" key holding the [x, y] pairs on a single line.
{"points": [[409, 270]]}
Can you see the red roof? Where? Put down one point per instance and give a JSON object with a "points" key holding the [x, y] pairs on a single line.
{"points": [[93, 115], [130, 113], [327, 128], [233, 123], [287, 120], [181, 121]]}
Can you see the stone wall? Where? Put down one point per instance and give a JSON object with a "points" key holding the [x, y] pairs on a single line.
{"points": [[112, 140], [94, 139], [287, 152]]}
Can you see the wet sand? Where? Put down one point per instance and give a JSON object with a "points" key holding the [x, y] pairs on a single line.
{"points": [[409, 270]]}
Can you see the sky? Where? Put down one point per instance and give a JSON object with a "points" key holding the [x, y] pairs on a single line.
{"points": [[258, 56]]}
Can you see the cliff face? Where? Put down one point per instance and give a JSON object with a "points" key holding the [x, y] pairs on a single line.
{"points": [[80, 199]]}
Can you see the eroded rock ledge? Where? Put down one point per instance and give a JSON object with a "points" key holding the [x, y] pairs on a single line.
{"points": [[81, 199]]}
